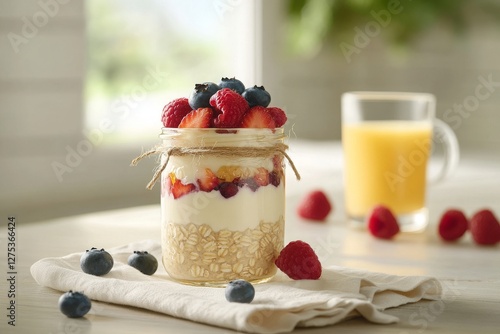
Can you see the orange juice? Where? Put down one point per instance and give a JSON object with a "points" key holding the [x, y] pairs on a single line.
{"points": [[385, 163]]}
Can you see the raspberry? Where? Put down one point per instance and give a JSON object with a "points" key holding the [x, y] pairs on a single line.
{"points": [[382, 223], [452, 225], [231, 106], [278, 115], [299, 261], [174, 112], [485, 228], [314, 206]]}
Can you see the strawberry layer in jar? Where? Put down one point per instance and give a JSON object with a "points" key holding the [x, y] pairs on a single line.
{"points": [[223, 204]]}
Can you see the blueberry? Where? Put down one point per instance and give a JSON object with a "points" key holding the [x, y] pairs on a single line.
{"points": [[240, 291], [233, 84], [201, 94], [74, 304], [96, 262], [257, 96], [228, 189], [144, 262]]}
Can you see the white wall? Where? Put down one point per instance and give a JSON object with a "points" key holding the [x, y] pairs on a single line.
{"points": [[41, 116], [446, 66]]}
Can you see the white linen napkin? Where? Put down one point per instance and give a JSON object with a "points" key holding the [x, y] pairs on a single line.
{"points": [[279, 306]]}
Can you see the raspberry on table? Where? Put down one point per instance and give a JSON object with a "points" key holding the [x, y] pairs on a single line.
{"points": [[452, 225], [382, 223], [485, 228], [315, 206], [299, 261]]}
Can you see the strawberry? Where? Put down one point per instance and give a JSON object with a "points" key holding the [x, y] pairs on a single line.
{"points": [[258, 117], [315, 206], [382, 223], [278, 115], [262, 177], [174, 112], [452, 225], [198, 118], [209, 181], [299, 261], [179, 189], [229, 107], [485, 228]]}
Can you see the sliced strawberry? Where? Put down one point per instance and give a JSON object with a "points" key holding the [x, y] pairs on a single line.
{"points": [[262, 177], [179, 189], [209, 181], [258, 117], [199, 118], [174, 112], [278, 115]]}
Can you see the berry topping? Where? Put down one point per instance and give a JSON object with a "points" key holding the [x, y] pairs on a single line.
{"points": [[257, 96], [96, 262], [278, 116], [262, 177], [258, 117], [232, 83], [74, 304], [174, 112], [209, 181], [201, 94], [230, 107], [314, 206], [239, 291], [274, 178], [382, 223], [179, 189], [299, 261], [145, 262], [452, 225], [199, 118], [228, 189], [485, 228]]}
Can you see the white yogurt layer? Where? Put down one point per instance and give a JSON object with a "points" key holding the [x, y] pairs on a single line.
{"points": [[244, 210]]}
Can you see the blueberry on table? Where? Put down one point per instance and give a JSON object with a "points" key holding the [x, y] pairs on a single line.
{"points": [[257, 96], [74, 304], [144, 262], [233, 84], [201, 94], [240, 291], [96, 262]]}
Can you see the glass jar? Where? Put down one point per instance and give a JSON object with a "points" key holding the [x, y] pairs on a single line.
{"points": [[223, 204]]}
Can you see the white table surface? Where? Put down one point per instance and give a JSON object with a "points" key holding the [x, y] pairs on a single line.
{"points": [[469, 273]]}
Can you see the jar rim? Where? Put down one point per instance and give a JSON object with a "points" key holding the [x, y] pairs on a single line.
{"points": [[262, 131]]}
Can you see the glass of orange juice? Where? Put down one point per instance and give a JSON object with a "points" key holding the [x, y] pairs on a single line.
{"points": [[387, 138]]}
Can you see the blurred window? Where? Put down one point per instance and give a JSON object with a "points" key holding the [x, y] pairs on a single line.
{"points": [[142, 54]]}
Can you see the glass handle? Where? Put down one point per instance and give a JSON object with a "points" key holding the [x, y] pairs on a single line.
{"points": [[445, 136]]}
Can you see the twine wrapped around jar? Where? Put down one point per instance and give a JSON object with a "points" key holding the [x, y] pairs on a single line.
{"points": [[223, 151]]}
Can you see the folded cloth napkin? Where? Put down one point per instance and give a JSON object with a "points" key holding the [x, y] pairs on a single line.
{"points": [[279, 306]]}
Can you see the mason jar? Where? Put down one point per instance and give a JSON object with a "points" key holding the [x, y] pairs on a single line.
{"points": [[222, 203]]}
